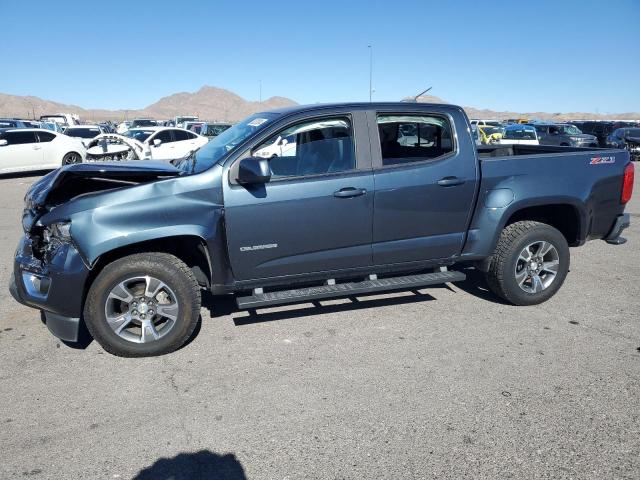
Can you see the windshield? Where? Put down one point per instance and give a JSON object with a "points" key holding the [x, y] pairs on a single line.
{"points": [[219, 146], [572, 130], [138, 134], [82, 132], [214, 130]]}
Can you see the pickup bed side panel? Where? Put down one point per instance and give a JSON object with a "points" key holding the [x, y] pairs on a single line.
{"points": [[579, 180]]}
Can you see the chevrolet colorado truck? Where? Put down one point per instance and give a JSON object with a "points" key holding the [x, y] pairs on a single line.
{"points": [[372, 197]]}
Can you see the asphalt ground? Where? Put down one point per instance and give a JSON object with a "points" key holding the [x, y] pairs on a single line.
{"points": [[445, 382]]}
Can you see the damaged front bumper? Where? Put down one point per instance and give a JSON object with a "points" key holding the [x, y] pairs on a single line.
{"points": [[55, 286]]}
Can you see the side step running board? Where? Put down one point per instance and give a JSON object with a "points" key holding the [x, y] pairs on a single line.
{"points": [[348, 289]]}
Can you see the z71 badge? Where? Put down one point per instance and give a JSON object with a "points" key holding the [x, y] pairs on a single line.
{"points": [[601, 160]]}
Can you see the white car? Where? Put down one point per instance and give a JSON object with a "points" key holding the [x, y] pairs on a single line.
{"points": [[123, 127], [25, 149], [84, 133], [146, 143], [281, 147]]}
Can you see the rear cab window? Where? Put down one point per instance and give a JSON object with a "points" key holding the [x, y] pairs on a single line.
{"points": [[410, 138]]}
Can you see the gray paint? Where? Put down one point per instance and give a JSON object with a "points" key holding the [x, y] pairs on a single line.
{"points": [[296, 230]]}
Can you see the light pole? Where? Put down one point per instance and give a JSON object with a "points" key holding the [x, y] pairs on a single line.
{"points": [[370, 47]]}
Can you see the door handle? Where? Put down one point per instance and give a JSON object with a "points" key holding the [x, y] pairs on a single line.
{"points": [[450, 181], [349, 192], [37, 148]]}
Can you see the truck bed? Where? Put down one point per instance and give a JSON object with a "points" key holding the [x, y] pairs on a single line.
{"points": [[516, 150]]}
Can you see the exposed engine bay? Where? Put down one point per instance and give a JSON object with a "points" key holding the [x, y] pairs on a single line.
{"points": [[113, 147]]}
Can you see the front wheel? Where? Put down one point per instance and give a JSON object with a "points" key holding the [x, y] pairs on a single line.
{"points": [[71, 158], [529, 264], [143, 305]]}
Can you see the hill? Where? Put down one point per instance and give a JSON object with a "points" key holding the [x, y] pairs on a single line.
{"points": [[208, 103], [212, 103]]}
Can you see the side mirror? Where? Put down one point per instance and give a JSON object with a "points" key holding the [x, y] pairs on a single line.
{"points": [[254, 170], [157, 142], [3, 142]]}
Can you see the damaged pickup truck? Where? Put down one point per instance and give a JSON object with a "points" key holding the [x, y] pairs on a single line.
{"points": [[354, 208]]}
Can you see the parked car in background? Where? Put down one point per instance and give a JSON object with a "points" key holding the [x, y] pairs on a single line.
{"points": [[564, 135], [84, 132], [597, 128], [64, 119], [178, 121], [628, 138], [282, 146], [489, 134], [486, 123], [519, 134], [190, 124], [25, 149], [143, 122], [213, 129], [53, 126], [148, 143], [12, 123], [123, 127]]}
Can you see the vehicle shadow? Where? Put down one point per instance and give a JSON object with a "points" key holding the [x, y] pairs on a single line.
{"points": [[202, 465], [223, 306], [476, 285]]}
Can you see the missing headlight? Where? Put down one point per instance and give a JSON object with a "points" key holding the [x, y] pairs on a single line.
{"points": [[60, 231]]}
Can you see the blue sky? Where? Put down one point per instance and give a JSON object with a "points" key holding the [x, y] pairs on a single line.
{"points": [[537, 55]]}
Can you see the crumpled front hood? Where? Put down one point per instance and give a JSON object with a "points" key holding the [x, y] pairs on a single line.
{"points": [[68, 182]]}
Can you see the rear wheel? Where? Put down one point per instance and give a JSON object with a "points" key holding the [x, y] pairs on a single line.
{"points": [[143, 305], [530, 263], [71, 158]]}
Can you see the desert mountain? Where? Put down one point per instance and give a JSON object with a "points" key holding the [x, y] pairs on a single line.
{"points": [[487, 114], [208, 103], [212, 103]]}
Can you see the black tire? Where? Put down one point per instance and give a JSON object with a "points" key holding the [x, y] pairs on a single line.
{"points": [[501, 275], [162, 266], [71, 158]]}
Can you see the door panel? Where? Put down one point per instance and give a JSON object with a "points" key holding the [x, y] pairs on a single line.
{"points": [[22, 153], [292, 227], [316, 213], [417, 219], [422, 205]]}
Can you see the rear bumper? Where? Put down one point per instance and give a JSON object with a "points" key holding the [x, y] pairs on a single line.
{"points": [[622, 222], [56, 287]]}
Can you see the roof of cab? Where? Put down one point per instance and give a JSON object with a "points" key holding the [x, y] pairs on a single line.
{"points": [[363, 106]]}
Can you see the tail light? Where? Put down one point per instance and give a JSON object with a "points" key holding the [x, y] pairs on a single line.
{"points": [[627, 183]]}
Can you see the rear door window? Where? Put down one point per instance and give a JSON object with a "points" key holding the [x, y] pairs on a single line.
{"points": [[165, 136], [413, 138], [19, 138], [46, 136], [181, 135]]}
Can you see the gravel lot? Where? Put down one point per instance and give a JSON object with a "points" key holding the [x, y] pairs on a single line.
{"points": [[442, 383]]}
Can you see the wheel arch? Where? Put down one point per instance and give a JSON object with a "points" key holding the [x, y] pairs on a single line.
{"points": [[191, 249], [566, 215]]}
